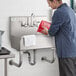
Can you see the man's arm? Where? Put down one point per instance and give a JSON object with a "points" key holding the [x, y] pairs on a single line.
{"points": [[57, 22]]}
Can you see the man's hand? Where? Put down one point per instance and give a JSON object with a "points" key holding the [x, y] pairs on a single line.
{"points": [[45, 30]]}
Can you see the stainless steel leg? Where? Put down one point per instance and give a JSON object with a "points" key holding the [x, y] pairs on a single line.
{"points": [[5, 67]]}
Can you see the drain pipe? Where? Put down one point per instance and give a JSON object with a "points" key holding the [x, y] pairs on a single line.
{"points": [[11, 62], [47, 60], [29, 57]]}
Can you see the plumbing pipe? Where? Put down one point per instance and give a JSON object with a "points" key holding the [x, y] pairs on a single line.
{"points": [[29, 57], [47, 60], [11, 62]]}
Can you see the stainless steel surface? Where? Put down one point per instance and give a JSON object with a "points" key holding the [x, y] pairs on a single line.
{"points": [[1, 32], [42, 41], [0, 40], [7, 56], [17, 31], [5, 68], [32, 16]]}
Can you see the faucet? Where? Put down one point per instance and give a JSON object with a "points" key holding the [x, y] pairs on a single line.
{"points": [[34, 22], [32, 15], [31, 21], [24, 23]]}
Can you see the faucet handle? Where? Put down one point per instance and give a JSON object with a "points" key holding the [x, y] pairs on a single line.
{"points": [[36, 23]]}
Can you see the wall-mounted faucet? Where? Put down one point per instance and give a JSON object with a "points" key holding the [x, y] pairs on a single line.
{"points": [[30, 21], [32, 16], [33, 20]]}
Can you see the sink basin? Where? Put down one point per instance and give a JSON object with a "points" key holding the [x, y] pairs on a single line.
{"points": [[42, 41]]}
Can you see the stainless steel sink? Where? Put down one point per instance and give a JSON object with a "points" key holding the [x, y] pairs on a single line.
{"points": [[17, 31], [42, 41]]}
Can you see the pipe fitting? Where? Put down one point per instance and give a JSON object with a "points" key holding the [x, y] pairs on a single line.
{"points": [[29, 57], [47, 60], [11, 62]]}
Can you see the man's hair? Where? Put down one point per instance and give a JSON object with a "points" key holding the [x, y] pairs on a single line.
{"points": [[53, 0]]}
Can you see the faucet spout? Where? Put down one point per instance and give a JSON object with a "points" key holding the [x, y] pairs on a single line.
{"points": [[32, 16]]}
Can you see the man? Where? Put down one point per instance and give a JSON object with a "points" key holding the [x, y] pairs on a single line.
{"points": [[63, 27]]}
